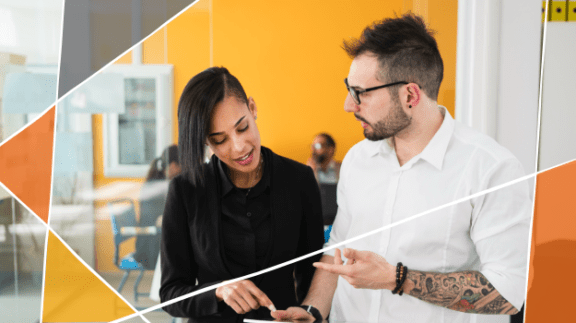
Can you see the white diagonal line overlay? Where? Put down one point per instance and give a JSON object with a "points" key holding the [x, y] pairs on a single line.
{"points": [[140, 313], [101, 69], [51, 190], [212, 287], [73, 253], [538, 125]]}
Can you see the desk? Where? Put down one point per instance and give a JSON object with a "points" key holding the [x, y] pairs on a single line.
{"points": [[138, 231]]}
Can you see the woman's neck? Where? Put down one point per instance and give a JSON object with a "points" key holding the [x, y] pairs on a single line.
{"points": [[246, 180]]}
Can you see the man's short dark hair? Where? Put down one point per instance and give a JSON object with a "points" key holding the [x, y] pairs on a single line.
{"points": [[202, 93], [406, 51], [329, 140]]}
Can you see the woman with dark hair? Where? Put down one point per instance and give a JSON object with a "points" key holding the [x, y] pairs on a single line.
{"points": [[244, 211], [152, 200], [166, 166]]}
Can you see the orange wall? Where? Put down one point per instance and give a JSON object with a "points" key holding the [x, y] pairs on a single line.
{"points": [[290, 60], [288, 57], [443, 18]]}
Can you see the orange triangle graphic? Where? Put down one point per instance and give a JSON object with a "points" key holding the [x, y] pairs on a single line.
{"points": [[72, 293], [26, 164], [554, 246]]}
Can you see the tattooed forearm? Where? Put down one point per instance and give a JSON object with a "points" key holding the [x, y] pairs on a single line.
{"points": [[466, 291]]}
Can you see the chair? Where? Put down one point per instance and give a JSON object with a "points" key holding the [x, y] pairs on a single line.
{"points": [[328, 199], [123, 215], [327, 230], [329, 207]]}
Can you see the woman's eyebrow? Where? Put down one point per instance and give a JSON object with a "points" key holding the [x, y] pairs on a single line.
{"points": [[221, 133]]}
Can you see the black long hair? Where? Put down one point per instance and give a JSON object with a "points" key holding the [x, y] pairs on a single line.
{"points": [[202, 93], [159, 165]]}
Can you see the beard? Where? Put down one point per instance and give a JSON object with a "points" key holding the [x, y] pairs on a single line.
{"points": [[319, 158], [396, 121]]}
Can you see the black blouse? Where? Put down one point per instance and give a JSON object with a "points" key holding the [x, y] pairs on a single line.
{"points": [[194, 240], [246, 223]]}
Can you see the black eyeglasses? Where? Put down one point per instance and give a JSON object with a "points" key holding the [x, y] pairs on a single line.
{"points": [[356, 93]]}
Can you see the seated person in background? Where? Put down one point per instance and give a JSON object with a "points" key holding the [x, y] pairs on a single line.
{"points": [[152, 200], [326, 169]]}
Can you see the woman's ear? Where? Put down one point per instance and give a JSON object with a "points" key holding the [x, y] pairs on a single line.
{"points": [[252, 107]]}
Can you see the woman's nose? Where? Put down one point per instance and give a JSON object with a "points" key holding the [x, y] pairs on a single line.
{"points": [[237, 144]]}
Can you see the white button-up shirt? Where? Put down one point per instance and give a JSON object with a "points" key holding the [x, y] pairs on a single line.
{"points": [[488, 233]]}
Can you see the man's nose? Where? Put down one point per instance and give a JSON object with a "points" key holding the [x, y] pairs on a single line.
{"points": [[350, 105]]}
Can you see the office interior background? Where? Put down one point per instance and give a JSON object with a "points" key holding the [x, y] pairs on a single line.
{"points": [[288, 57]]}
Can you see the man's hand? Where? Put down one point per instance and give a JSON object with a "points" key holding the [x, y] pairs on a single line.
{"points": [[292, 314], [243, 296], [364, 269]]}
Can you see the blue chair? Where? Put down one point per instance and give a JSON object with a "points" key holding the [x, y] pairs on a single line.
{"points": [[123, 214], [327, 231]]}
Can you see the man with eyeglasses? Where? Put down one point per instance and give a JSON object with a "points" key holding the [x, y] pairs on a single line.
{"points": [[450, 265], [321, 160]]}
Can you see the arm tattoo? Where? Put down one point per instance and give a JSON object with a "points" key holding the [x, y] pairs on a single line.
{"points": [[465, 291]]}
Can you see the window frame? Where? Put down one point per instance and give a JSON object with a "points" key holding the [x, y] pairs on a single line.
{"points": [[164, 82]]}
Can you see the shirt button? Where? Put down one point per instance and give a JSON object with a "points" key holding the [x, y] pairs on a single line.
{"points": [[249, 214]]}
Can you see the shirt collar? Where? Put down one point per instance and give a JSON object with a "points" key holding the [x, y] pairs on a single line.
{"points": [[262, 185], [436, 149], [433, 153], [227, 185], [376, 147]]}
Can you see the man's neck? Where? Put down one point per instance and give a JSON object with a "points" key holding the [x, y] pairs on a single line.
{"points": [[325, 164], [412, 140]]}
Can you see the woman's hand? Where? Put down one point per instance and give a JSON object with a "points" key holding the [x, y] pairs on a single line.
{"points": [[243, 296], [293, 314]]}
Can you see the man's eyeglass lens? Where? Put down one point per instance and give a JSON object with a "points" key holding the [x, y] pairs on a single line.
{"points": [[355, 94]]}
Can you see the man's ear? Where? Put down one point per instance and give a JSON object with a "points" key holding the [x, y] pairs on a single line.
{"points": [[331, 151], [414, 94]]}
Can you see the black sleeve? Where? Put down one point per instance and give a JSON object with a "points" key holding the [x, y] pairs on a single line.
{"points": [[311, 233], [179, 269]]}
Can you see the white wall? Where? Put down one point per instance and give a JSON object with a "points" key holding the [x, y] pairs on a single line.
{"points": [[31, 28], [558, 124], [34, 29], [498, 66]]}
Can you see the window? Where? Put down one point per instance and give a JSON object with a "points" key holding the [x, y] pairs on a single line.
{"points": [[137, 136]]}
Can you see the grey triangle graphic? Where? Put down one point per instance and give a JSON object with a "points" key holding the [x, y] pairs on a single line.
{"points": [[96, 32]]}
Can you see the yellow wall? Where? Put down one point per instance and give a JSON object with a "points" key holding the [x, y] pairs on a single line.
{"points": [[443, 17], [288, 57]]}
